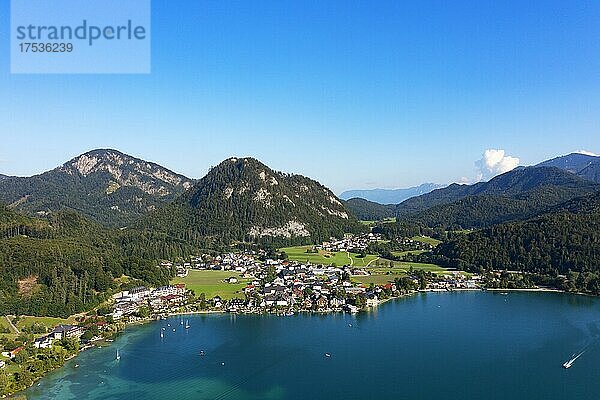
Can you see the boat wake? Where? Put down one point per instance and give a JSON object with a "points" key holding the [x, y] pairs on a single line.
{"points": [[574, 358], [569, 363]]}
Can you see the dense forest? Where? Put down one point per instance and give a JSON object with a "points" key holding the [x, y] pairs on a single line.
{"points": [[68, 264], [564, 243]]}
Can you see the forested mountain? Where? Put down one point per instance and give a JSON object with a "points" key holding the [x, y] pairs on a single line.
{"points": [[105, 185], [564, 241], [515, 195], [243, 199], [369, 211], [583, 165], [66, 264], [390, 196]]}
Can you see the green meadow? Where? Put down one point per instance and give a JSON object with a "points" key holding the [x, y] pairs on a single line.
{"points": [[426, 239], [48, 322], [387, 271], [211, 283], [340, 258]]}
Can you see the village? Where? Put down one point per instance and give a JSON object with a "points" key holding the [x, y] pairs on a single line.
{"points": [[282, 286], [272, 284], [250, 282]]}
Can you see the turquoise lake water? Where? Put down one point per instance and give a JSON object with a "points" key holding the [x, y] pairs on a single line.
{"points": [[473, 345]]}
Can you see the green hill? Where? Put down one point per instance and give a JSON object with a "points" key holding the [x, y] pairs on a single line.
{"points": [[243, 199], [369, 211]]}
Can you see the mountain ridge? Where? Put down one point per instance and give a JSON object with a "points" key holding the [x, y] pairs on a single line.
{"points": [[517, 194], [105, 185], [583, 165]]}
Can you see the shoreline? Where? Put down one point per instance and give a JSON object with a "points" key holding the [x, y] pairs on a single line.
{"points": [[366, 309], [528, 290]]}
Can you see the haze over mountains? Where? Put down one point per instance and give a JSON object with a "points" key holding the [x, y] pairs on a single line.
{"points": [[390, 196]]}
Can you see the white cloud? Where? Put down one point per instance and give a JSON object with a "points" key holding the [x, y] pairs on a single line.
{"points": [[587, 153], [494, 162]]}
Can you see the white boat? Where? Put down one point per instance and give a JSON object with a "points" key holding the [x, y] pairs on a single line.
{"points": [[161, 334], [187, 324], [118, 356], [327, 355]]}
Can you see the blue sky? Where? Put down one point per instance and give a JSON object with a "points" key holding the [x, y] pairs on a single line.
{"points": [[356, 94]]}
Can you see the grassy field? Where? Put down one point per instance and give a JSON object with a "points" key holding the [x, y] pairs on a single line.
{"points": [[403, 253], [426, 239], [386, 274], [298, 253], [211, 283], [5, 325], [48, 322]]}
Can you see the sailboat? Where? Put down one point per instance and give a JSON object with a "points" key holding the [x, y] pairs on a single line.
{"points": [[161, 334], [187, 324], [569, 363], [118, 356]]}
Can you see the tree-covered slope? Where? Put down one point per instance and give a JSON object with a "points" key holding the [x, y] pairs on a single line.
{"points": [[561, 241], [243, 199], [66, 264], [369, 211], [105, 185]]}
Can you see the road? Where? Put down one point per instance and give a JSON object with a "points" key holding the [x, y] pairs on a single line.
{"points": [[14, 328]]}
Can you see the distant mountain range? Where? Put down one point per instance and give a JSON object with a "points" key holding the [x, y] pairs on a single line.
{"points": [[390, 196], [243, 199], [514, 195], [105, 185]]}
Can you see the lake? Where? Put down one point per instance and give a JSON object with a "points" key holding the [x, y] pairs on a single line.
{"points": [[462, 345]]}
